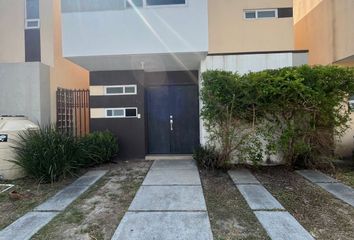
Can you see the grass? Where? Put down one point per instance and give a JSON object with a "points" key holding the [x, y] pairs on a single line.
{"points": [[32, 194], [97, 213], [324, 216], [230, 216]]}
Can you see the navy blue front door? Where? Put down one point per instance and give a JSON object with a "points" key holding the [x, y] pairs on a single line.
{"points": [[173, 119]]}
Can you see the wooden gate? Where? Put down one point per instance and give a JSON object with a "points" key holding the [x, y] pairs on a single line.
{"points": [[73, 111]]}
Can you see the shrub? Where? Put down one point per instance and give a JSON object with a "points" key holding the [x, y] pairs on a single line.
{"points": [[48, 155], [100, 146], [300, 109], [207, 157]]}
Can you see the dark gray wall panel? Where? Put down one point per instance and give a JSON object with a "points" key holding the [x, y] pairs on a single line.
{"points": [[285, 12], [130, 131], [32, 45], [171, 78]]}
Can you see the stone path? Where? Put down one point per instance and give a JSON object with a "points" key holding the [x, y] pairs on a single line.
{"points": [[279, 224], [339, 190], [169, 205], [29, 224]]}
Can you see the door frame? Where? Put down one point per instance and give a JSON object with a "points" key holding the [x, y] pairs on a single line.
{"points": [[147, 112]]}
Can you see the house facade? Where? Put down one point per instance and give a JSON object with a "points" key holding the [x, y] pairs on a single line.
{"points": [[31, 63], [146, 57], [142, 59]]}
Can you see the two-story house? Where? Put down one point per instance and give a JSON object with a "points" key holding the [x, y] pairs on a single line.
{"points": [[145, 59]]}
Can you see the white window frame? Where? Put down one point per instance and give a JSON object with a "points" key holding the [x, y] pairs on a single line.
{"points": [[124, 87], [38, 20], [33, 20], [260, 10], [124, 116], [145, 5]]}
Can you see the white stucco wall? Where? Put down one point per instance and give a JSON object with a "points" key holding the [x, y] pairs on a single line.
{"points": [[25, 90], [151, 30]]}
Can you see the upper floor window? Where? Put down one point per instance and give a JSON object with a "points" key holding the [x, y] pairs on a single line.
{"points": [[261, 13], [268, 13], [165, 2], [32, 14], [147, 3]]}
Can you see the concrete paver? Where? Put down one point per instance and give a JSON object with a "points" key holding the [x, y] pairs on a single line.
{"points": [[242, 176], [282, 226], [340, 190], [164, 226], [172, 177], [258, 198], [26, 226], [169, 198], [316, 176], [29, 224], [175, 165]]}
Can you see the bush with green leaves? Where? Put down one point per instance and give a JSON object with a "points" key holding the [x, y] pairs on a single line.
{"points": [[207, 157], [47, 155], [101, 147], [297, 111]]}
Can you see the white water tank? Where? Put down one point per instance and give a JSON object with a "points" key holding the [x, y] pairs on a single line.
{"points": [[10, 127]]}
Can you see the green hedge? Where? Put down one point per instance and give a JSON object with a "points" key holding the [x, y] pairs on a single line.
{"points": [[297, 110]]}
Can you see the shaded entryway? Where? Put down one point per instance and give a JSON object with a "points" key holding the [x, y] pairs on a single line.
{"points": [[173, 119]]}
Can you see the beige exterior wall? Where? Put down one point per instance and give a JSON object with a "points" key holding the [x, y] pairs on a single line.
{"points": [[230, 32], [64, 74], [12, 43], [325, 28], [46, 9]]}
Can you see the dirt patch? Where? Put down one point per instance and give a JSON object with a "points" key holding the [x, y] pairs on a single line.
{"points": [[229, 214], [29, 194], [97, 213], [324, 216]]}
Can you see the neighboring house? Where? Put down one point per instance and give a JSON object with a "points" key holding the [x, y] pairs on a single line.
{"points": [[31, 62], [145, 61], [326, 29]]}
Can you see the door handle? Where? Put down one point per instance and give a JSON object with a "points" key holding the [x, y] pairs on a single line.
{"points": [[171, 122]]}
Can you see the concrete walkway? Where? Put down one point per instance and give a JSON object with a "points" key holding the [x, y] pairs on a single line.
{"points": [[169, 205], [29, 224], [279, 224], [339, 190]]}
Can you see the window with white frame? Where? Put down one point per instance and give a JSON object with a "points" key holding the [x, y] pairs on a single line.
{"points": [[128, 112], [32, 20], [260, 13], [121, 90]]}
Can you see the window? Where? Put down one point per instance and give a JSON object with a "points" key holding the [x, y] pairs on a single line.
{"points": [[136, 3], [165, 2], [121, 90], [122, 112], [32, 14], [261, 13], [32, 23]]}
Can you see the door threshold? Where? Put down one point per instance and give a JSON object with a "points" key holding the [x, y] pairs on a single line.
{"points": [[152, 157]]}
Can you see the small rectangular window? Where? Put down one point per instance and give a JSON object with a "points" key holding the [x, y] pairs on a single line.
{"points": [[32, 9], [250, 14], [165, 2], [132, 3], [130, 112], [32, 24], [266, 14], [261, 13], [121, 90]]}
